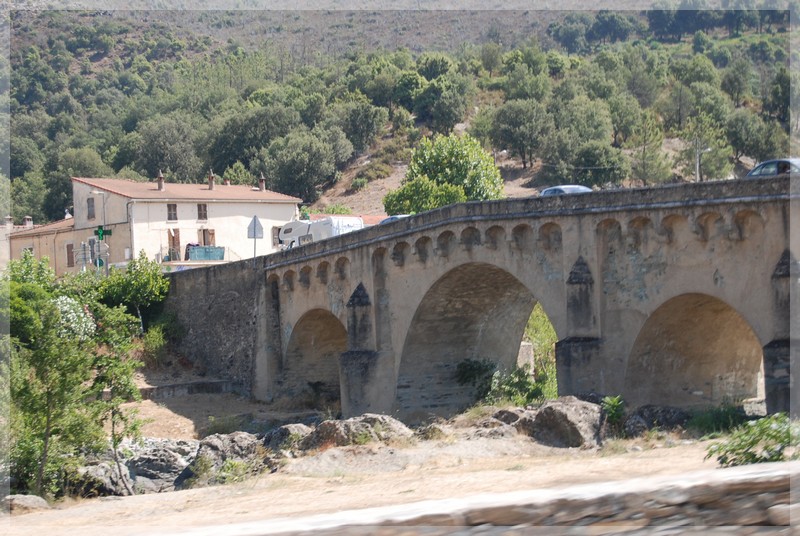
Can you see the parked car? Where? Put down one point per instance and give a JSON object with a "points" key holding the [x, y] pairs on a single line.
{"points": [[565, 189], [771, 168], [396, 217]]}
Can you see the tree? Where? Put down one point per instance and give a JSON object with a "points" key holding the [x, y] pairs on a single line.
{"points": [[457, 162], [361, 122], [28, 194], [238, 174], [737, 80], [298, 164], [168, 145], [420, 195], [521, 126], [521, 83], [49, 369], [597, 162], [140, 286], [647, 160], [707, 151], [625, 114], [432, 65]]}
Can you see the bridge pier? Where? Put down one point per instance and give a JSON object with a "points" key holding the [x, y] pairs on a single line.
{"points": [[575, 364]]}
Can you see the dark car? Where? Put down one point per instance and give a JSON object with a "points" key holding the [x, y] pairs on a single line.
{"points": [[565, 189], [771, 168], [396, 217]]}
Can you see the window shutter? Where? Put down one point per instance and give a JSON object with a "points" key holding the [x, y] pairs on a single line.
{"points": [[70, 256], [211, 240]]}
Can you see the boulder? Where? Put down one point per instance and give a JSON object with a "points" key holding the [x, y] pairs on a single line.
{"points": [[524, 424], [285, 437], [568, 422], [509, 416], [23, 504], [225, 458], [156, 467], [356, 431], [100, 479]]}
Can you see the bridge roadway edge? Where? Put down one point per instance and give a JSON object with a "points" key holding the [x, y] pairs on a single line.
{"points": [[760, 495]]}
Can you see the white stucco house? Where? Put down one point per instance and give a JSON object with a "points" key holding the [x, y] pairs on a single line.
{"points": [[161, 219]]}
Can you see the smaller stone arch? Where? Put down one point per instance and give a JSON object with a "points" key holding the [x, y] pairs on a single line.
{"points": [[323, 272], [400, 253], [423, 248], [639, 230], [522, 238], [470, 237], [672, 226], [495, 236], [379, 261], [445, 243], [708, 225], [288, 280], [550, 237], [610, 230], [747, 224], [342, 268], [305, 277]]}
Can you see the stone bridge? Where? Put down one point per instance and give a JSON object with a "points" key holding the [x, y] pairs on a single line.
{"points": [[678, 295]]}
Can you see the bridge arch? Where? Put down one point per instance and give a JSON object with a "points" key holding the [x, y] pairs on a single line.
{"points": [[310, 369], [694, 350], [473, 311]]}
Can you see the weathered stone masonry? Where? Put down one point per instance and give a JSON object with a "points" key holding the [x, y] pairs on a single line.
{"points": [[676, 295]]}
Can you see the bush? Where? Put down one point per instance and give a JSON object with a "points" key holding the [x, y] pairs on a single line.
{"points": [[715, 421], [518, 386], [359, 183], [760, 441], [154, 346], [337, 209], [614, 408]]}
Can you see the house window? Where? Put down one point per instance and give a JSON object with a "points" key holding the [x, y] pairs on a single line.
{"points": [[90, 208], [70, 256], [202, 211], [205, 237], [172, 212]]}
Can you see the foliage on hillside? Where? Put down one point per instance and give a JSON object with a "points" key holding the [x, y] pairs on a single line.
{"points": [[586, 96]]}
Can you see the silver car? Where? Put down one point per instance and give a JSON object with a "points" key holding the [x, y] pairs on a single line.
{"points": [[565, 189], [771, 168]]}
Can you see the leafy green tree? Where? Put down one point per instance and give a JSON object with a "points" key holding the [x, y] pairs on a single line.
{"points": [[597, 163], [491, 57], [611, 26], [443, 102], [409, 85], [572, 32], [705, 141], [238, 174], [49, 369], [521, 126], [138, 287], [28, 195], [432, 65], [422, 194], [361, 122], [299, 164], [25, 156], [648, 163], [458, 162], [521, 83], [744, 130], [625, 114], [168, 145], [737, 80], [778, 101]]}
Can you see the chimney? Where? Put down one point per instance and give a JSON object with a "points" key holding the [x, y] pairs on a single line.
{"points": [[9, 223], [27, 222], [160, 179], [226, 182], [210, 179], [262, 183]]}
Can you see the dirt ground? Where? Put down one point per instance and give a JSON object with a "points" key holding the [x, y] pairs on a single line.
{"points": [[348, 478]]}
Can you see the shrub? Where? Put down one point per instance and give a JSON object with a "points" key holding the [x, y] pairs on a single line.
{"points": [[614, 408], [518, 386], [715, 421], [337, 208], [154, 346], [763, 440], [359, 183]]}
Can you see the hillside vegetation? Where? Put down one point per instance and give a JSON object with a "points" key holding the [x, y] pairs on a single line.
{"points": [[310, 98]]}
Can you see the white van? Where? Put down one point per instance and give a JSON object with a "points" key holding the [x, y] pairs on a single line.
{"points": [[300, 232]]}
